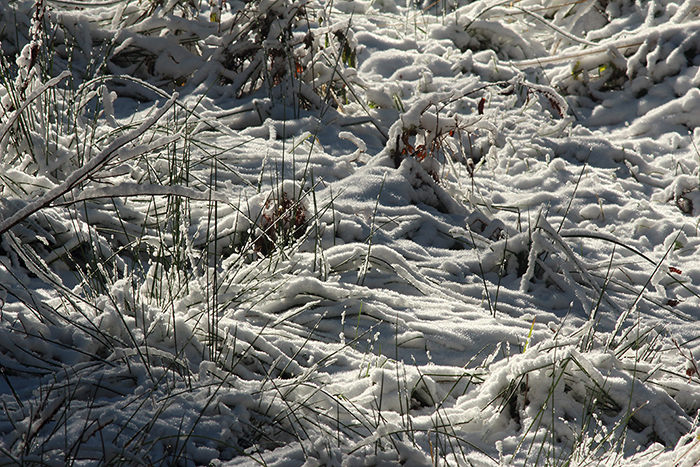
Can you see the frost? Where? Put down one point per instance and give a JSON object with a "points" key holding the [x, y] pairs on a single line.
{"points": [[350, 233]]}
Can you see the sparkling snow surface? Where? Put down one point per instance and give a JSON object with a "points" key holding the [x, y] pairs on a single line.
{"points": [[528, 296]]}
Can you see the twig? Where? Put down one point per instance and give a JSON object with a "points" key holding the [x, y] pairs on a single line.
{"points": [[94, 165]]}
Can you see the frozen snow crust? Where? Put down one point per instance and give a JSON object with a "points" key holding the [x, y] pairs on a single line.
{"points": [[349, 233]]}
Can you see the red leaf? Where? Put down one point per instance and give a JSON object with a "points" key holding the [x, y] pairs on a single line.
{"points": [[480, 107]]}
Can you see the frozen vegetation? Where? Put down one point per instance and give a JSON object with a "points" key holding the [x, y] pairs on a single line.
{"points": [[357, 233]]}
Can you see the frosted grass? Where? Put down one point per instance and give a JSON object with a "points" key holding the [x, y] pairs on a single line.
{"points": [[358, 233]]}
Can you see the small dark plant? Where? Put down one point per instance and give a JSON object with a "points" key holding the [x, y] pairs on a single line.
{"points": [[282, 222]]}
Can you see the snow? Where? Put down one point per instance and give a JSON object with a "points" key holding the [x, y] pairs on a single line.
{"points": [[457, 233]]}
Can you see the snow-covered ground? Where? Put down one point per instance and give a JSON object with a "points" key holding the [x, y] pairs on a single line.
{"points": [[349, 232]]}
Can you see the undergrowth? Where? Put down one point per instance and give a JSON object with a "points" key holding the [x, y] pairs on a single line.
{"points": [[121, 286]]}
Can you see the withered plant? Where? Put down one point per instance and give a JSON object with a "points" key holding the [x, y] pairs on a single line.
{"points": [[282, 221]]}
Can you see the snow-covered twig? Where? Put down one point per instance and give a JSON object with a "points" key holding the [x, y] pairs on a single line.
{"points": [[94, 165], [32, 97]]}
